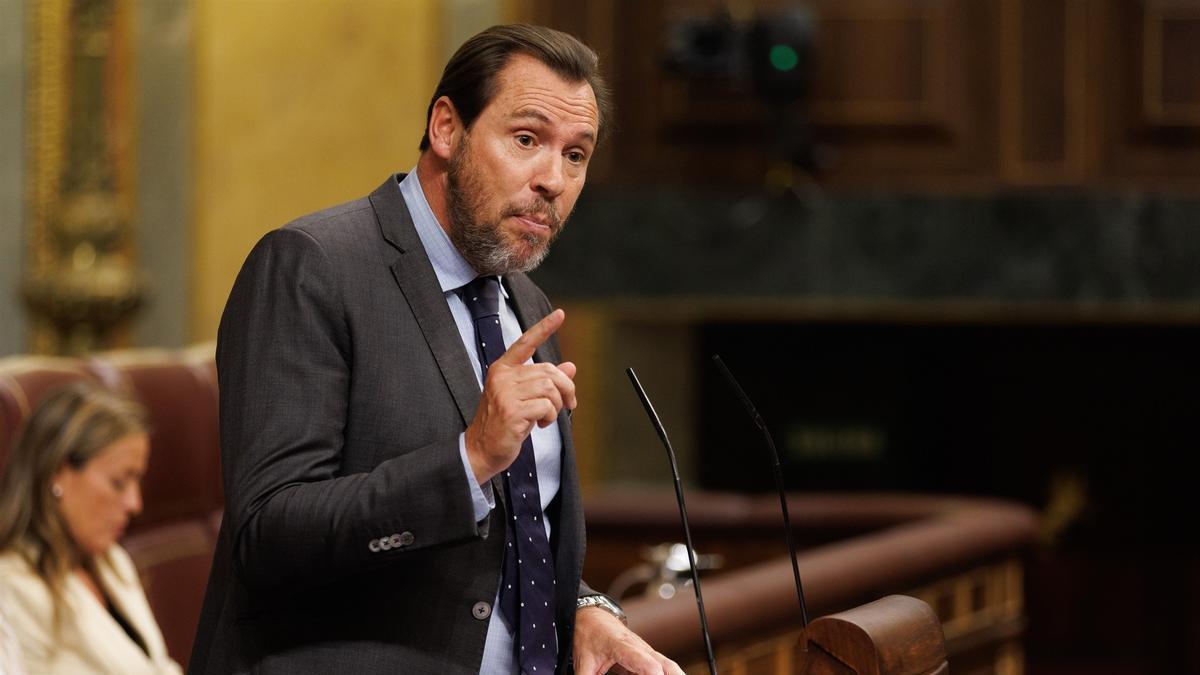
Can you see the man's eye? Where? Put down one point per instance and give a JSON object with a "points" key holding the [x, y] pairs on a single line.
{"points": [[525, 140], [576, 157]]}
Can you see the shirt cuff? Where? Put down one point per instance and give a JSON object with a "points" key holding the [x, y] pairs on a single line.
{"points": [[483, 500]]}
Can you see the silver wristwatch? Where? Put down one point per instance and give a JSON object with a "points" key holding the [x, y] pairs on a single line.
{"points": [[603, 602]]}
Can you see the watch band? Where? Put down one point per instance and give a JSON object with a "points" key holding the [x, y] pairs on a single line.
{"points": [[603, 602]]}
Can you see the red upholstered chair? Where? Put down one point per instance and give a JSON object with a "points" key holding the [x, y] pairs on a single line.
{"points": [[23, 382]]}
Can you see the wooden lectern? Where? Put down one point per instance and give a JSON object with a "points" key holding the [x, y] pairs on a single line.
{"points": [[916, 542], [896, 635]]}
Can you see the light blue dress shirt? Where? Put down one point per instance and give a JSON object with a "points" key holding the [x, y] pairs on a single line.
{"points": [[452, 273]]}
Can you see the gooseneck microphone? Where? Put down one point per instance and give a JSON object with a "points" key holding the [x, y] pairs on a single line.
{"points": [[687, 531], [787, 522]]}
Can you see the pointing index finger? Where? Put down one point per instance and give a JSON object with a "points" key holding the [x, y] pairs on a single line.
{"points": [[522, 349]]}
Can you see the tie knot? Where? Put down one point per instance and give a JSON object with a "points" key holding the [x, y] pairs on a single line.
{"points": [[482, 297]]}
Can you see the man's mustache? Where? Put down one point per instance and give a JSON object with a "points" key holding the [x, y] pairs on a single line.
{"points": [[539, 209]]}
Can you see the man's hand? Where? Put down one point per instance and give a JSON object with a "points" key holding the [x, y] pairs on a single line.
{"points": [[603, 643], [516, 396]]}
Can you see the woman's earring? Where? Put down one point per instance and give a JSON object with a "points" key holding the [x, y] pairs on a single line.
{"points": [[56, 490]]}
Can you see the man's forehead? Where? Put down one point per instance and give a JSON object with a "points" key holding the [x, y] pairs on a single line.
{"points": [[528, 88], [546, 104]]}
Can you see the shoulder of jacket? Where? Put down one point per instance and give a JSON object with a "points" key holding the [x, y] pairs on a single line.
{"points": [[334, 220], [13, 563], [21, 588]]}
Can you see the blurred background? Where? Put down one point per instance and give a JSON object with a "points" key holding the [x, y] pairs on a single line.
{"points": [[948, 246]]}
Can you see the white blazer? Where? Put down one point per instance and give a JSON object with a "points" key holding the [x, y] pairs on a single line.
{"points": [[89, 640], [10, 650]]}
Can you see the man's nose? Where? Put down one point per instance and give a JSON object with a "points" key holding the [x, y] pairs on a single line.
{"points": [[549, 180]]}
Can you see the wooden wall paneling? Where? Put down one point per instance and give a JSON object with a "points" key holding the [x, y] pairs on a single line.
{"points": [[1171, 64], [673, 129], [918, 94], [1108, 56], [631, 72], [1043, 91], [941, 131], [684, 129], [882, 64], [903, 93], [1147, 98]]}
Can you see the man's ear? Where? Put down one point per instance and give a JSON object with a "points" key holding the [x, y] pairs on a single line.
{"points": [[444, 127]]}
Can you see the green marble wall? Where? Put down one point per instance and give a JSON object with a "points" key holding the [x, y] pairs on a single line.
{"points": [[1068, 246]]}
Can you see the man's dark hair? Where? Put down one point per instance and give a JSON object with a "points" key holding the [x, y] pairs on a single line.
{"points": [[469, 79]]}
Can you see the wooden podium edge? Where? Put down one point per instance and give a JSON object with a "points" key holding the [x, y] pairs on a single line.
{"points": [[895, 635]]}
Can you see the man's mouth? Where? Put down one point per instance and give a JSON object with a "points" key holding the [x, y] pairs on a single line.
{"points": [[536, 225], [534, 221], [538, 217]]}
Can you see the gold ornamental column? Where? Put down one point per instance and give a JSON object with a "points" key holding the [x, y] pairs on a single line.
{"points": [[81, 287]]}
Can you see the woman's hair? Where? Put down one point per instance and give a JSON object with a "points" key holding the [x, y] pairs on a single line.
{"points": [[69, 427]]}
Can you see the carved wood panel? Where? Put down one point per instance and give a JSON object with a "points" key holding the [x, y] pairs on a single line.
{"points": [[1146, 92], [922, 94], [900, 81], [894, 92], [1043, 89], [1171, 64]]}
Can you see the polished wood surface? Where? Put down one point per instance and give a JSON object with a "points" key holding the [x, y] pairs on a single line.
{"points": [[895, 635]]}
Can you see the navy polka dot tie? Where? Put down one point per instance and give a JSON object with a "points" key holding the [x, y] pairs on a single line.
{"points": [[527, 587]]}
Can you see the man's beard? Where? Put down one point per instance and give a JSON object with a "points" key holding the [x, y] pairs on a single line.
{"points": [[482, 242]]}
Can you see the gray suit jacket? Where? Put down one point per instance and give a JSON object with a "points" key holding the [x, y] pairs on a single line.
{"points": [[344, 387]]}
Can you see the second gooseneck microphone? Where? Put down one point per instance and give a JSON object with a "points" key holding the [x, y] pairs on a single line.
{"points": [[687, 531], [787, 522]]}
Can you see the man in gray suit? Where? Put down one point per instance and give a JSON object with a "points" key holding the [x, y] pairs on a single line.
{"points": [[395, 424]]}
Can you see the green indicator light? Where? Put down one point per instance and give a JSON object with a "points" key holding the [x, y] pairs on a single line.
{"points": [[784, 57]]}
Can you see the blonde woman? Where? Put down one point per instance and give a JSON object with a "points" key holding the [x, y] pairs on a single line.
{"points": [[70, 592]]}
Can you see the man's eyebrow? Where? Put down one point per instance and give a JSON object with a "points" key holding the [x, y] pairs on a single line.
{"points": [[529, 113]]}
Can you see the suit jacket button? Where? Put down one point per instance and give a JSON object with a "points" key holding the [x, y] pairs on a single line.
{"points": [[385, 544], [481, 610], [395, 541], [406, 538], [374, 546]]}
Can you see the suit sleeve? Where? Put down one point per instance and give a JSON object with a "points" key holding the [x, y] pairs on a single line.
{"points": [[585, 590], [284, 366]]}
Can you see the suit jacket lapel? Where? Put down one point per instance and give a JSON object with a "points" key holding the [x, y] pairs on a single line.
{"points": [[414, 273]]}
